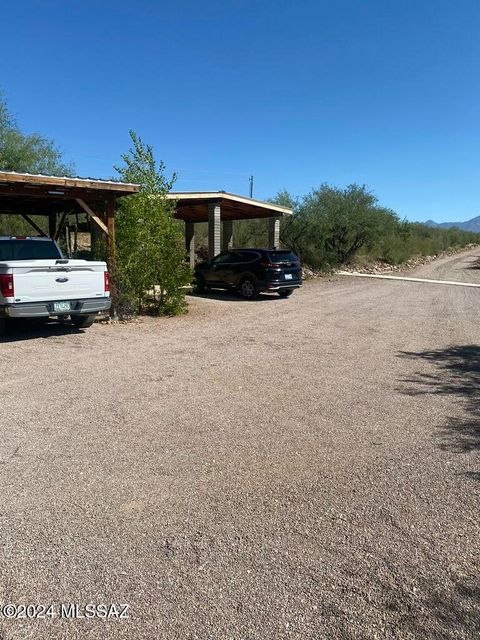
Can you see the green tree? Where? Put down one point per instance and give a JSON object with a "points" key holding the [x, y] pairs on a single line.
{"points": [[151, 269], [294, 228], [344, 218], [330, 224], [285, 199]]}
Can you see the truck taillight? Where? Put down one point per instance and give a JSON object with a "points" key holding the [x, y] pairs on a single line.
{"points": [[6, 285], [107, 282]]}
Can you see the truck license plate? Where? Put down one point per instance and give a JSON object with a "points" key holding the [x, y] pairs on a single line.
{"points": [[61, 307], [288, 276]]}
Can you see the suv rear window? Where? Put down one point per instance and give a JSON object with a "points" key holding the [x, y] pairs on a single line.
{"points": [[248, 256], [28, 250], [282, 256]]}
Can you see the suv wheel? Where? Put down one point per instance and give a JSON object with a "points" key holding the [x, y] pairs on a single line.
{"points": [[285, 293], [3, 326], [248, 289]]}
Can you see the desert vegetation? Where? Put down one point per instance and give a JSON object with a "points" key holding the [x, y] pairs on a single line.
{"points": [[332, 226], [151, 267]]}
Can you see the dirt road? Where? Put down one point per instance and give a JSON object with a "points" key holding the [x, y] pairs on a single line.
{"points": [[304, 468]]}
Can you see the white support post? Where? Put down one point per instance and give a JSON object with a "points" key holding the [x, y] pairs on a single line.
{"points": [[190, 242], [273, 233], [227, 235], [214, 226]]}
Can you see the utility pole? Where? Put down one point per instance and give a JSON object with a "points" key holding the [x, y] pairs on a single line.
{"points": [[251, 186]]}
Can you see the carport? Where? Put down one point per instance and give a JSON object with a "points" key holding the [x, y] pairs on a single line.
{"points": [[220, 209], [53, 197]]}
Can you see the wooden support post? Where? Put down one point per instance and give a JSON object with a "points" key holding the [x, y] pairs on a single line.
{"points": [[112, 255], [227, 235], [52, 224], [75, 235], [213, 230], [59, 228], [68, 240], [96, 241], [190, 242], [109, 230]]}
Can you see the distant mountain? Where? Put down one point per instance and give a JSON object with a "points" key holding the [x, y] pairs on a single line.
{"points": [[469, 225]]}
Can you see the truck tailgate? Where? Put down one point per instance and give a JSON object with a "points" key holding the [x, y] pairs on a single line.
{"points": [[36, 281]]}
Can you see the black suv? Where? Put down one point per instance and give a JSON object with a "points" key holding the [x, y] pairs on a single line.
{"points": [[250, 271]]}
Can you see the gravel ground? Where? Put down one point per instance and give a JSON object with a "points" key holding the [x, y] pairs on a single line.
{"points": [[304, 468]]}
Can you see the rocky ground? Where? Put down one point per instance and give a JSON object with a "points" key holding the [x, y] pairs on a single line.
{"points": [[380, 266], [304, 468]]}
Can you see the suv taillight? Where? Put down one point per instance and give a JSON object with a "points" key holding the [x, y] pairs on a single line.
{"points": [[6, 285], [106, 281], [269, 265]]}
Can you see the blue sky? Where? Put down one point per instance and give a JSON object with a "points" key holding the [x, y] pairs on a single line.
{"points": [[294, 92]]}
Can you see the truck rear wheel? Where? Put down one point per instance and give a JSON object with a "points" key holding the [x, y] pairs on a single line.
{"points": [[83, 322], [3, 327]]}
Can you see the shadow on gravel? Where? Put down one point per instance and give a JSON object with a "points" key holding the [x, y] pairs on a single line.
{"points": [[446, 610], [457, 374], [476, 264], [474, 475], [22, 330], [228, 296]]}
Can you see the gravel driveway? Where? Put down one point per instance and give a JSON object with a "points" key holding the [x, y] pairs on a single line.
{"points": [[304, 468]]}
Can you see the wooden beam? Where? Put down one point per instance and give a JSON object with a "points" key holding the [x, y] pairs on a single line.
{"points": [[52, 225], [67, 182], [34, 225], [111, 224], [93, 215], [58, 195], [59, 228]]}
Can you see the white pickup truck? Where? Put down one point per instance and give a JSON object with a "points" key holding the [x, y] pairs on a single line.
{"points": [[36, 281]]}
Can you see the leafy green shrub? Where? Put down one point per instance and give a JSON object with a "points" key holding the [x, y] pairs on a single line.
{"points": [[151, 268]]}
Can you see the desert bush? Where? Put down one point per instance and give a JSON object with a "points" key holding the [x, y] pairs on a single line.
{"points": [[331, 226], [151, 268]]}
